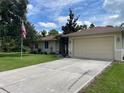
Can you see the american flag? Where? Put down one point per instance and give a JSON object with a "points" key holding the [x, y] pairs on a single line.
{"points": [[23, 31]]}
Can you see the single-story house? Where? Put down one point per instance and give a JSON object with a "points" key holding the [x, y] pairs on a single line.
{"points": [[48, 44], [103, 43]]}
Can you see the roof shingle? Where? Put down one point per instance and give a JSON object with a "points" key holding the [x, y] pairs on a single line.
{"points": [[49, 38], [96, 30]]}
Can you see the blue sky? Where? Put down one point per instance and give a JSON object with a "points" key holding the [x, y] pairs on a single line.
{"points": [[52, 14]]}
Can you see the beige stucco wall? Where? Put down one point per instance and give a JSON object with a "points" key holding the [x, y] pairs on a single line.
{"points": [[87, 47], [118, 55], [53, 47], [40, 45], [118, 44]]}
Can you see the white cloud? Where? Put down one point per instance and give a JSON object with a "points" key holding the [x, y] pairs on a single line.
{"points": [[57, 3], [31, 10], [106, 19], [111, 20], [29, 6], [87, 22], [62, 19], [83, 22], [47, 24], [52, 10], [80, 22], [54, 6], [115, 7], [113, 16]]}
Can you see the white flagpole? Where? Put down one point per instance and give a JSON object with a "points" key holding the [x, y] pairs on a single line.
{"points": [[21, 41], [21, 47], [23, 35]]}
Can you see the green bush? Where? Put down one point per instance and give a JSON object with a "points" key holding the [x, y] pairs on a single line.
{"points": [[26, 49]]}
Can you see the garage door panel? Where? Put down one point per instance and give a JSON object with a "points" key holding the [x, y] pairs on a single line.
{"points": [[96, 48]]}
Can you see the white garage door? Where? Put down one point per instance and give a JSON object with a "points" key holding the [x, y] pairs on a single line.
{"points": [[94, 48]]}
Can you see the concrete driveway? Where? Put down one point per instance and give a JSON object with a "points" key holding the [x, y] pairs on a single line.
{"points": [[61, 76]]}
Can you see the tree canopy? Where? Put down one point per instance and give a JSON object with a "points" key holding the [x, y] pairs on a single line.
{"points": [[92, 25], [84, 27], [71, 25], [53, 32], [31, 34], [12, 13], [44, 33]]}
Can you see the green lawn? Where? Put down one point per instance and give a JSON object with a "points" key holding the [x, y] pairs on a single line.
{"points": [[111, 81], [10, 61]]}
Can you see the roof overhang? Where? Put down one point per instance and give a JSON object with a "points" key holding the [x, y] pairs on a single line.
{"points": [[94, 32]]}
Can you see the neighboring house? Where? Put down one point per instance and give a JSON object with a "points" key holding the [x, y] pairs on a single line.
{"points": [[48, 44], [103, 43]]}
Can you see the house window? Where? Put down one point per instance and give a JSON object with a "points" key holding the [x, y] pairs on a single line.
{"points": [[36, 46], [46, 45]]}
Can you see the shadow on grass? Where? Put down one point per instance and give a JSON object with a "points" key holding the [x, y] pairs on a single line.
{"points": [[12, 54]]}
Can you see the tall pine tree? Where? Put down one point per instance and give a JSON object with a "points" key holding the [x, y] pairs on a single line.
{"points": [[71, 25]]}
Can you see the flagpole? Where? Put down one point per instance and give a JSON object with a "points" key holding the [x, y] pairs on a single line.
{"points": [[21, 40], [21, 47], [21, 32], [23, 36]]}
